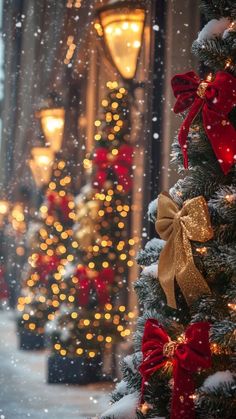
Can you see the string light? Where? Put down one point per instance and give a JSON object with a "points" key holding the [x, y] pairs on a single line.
{"points": [[202, 250], [71, 49], [230, 198]]}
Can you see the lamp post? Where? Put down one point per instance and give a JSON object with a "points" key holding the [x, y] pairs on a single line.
{"points": [[41, 165], [121, 23], [52, 122]]}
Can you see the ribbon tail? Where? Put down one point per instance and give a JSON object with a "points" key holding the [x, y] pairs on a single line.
{"points": [[222, 137], [184, 129], [84, 292], [122, 176], [188, 277], [182, 405], [102, 292], [167, 275]]}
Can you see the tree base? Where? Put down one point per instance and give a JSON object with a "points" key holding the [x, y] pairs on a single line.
{"points": [[29, 341], [63, 370]]}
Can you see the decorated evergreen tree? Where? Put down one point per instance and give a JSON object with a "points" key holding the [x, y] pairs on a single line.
{"points": [[183, 365], [52, 247], [94, 316]]}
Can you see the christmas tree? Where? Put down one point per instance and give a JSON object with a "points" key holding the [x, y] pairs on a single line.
{"points": [[52, 247], [94, 318], [183, 365]]}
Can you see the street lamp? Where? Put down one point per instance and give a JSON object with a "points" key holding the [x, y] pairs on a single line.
{"points": [[52, 122], [122, 24], [4, 207], [41, 165]]}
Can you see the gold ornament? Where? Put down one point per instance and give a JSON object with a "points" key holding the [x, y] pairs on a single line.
{"points": [[178, 227]]}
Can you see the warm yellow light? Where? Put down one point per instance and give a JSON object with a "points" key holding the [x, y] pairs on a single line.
{"points": [[4, 207], [89, 336], [92, 354], [41, 164], [57, 346], [123, 30], [53, 121], [32, 326], [91, 265]]}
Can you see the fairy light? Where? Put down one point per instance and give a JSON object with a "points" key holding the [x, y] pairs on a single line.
{"points": [[201, 250], [144, 408], [230, 198], [232, 306]]}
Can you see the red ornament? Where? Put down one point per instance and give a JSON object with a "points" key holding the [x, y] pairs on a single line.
{"points": [[215, 99], [57, 202], [188, 356], [46, 265], [119, 164], [92, 280]]}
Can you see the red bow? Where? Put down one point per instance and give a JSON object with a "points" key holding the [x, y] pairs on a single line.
{"points": [[216, 99], [98, 281], [187, 357], [119, 164], [56, 202], [46, 265]]}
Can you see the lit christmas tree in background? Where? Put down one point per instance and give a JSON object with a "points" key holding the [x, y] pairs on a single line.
{"points": [[93, 319], [54, 246]]}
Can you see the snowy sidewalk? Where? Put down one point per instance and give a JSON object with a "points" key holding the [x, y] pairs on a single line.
{"points": [[23, 389]]}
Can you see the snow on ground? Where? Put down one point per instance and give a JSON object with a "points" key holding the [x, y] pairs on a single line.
{"points": [[23, 389]]}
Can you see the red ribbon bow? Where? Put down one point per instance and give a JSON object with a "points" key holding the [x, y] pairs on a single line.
{"points": [[187, 357], [119, 164], [56, 202], [216, 99], [46, 265], [99, 282]]}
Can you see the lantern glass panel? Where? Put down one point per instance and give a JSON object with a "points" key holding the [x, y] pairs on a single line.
{"points": [[123, 31]]}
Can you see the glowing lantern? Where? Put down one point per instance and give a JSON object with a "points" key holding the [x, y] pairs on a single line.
{"points": [[52, 121], [41, 165], [122, 25], [4, 207]]}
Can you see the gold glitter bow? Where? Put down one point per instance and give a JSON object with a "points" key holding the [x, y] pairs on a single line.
{"points": [[177, 227]]}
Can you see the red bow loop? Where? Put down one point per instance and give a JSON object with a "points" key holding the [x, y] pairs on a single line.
{"points": [[215, 99], [119, 164], [185, 90], [187, 355], [99, 282]]}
